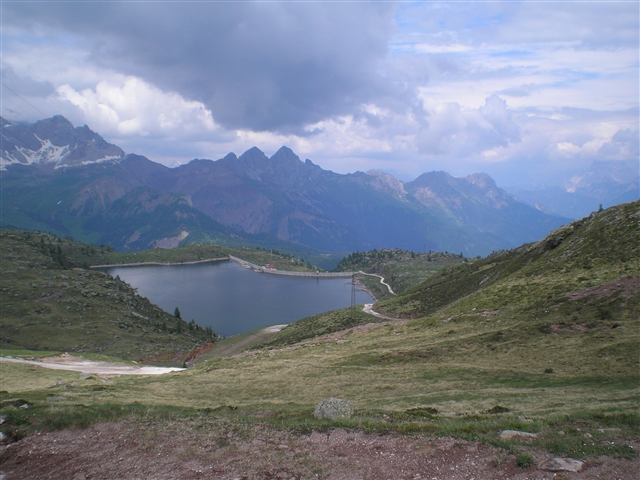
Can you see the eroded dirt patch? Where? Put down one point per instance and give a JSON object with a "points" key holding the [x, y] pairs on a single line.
{"points": [[221, 450], [628, 286]]}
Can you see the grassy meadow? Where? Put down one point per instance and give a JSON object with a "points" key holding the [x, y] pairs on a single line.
{"points": [[543, 339]]}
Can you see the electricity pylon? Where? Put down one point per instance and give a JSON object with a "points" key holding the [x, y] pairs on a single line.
{"points": [[353, 296]]}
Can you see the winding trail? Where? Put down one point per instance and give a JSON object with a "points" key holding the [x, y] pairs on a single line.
{"points": [[368, 308], [381, 281]]}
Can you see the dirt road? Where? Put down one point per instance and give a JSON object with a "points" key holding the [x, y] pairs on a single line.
{"points": [[368, 308]]}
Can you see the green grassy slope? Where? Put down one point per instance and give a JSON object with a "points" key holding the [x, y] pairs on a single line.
{"points": [[542, 339], [602, 248], [400, 268], [47, 303], [78, 254]]}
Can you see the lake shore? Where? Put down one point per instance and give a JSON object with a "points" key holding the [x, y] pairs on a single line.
{"points": [[272, 271], [161, 264]]}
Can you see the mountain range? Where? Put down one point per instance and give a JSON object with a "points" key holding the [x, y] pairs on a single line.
{"points": [[601, 184], [70, 181]]}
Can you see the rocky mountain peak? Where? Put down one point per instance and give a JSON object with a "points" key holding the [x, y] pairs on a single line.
{"points": [[252, 163], [482, 180], [387, 183], [54, 140]]}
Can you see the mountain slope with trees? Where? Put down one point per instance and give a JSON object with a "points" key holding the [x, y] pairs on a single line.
{"points": [[49, 303]]}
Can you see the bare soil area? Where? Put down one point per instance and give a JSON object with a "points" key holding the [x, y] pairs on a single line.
{"points": [[222, 450], [76, 364], [628, 286]]}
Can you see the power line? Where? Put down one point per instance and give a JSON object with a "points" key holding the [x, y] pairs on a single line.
{"points": [[6, 130], [25, 101]]}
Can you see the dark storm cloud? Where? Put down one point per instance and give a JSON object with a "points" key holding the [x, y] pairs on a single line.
{"points": [[261, 66]]}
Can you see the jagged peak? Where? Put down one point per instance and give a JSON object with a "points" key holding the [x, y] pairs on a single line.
{"points": [[285, 155], [57, 120], [54, 140], [252, 152]]}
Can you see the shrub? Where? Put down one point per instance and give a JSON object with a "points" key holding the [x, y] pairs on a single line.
{"points": [[524, 460]]}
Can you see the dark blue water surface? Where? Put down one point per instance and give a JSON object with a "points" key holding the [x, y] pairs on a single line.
{"points": [[233, 300]]}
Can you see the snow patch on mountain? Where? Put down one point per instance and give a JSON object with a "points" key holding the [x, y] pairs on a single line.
{"points": [[54, 141]]}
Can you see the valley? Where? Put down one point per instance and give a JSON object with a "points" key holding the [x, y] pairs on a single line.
{"points": [[541, 339], [319, 240]]}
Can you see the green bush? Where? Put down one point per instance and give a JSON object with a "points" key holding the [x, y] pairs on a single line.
{"points": [[524, 460]]}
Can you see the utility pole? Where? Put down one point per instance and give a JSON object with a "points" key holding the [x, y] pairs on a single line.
{"points": [[353, 296]]}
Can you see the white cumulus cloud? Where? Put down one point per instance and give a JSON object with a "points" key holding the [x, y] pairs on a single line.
{"points": [[129, 106]]}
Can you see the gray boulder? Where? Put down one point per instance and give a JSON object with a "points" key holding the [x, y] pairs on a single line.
{"points": [[515, 434], [334, 408], [561, 465]]}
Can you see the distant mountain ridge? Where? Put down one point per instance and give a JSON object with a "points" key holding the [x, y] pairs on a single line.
{"points": [[97, 193], [600, 184]]}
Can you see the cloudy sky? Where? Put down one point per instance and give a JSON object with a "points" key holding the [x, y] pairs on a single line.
{"points": [[526, 91]]}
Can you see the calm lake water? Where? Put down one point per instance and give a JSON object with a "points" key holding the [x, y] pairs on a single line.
{"points": [[233, 300]]}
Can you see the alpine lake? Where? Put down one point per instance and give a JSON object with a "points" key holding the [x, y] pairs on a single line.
{"points": [[233, 300]]}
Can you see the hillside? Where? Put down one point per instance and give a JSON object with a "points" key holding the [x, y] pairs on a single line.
{"points": [[49, 303], [540, 339], [400, 268], [596, 250]]}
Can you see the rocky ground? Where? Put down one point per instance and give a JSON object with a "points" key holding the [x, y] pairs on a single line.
{"points": [[222, 450]]}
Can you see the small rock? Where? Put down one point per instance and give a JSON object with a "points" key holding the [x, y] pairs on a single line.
{"points": [[561, 465], [16, 402], [3, 437], [2, 419], [62, 382], [26, 405], [605, 430], [333, 408], [342, 341], [511, 434], [85, 376], [588, 435]]}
